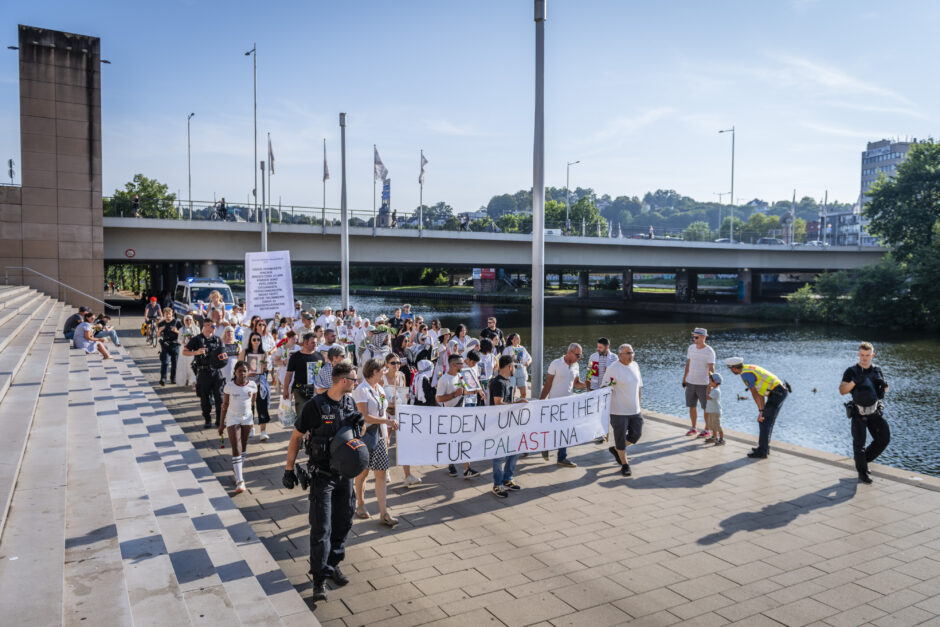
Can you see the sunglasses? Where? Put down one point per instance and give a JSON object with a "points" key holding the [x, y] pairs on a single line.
{"points": [[394, 363]]}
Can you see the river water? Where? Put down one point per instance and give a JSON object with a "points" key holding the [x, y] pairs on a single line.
{"points": [[811, 358]]}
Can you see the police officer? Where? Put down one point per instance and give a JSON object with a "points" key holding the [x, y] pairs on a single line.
{"points": [[332, 498], [867, 386], [769, 392], [206, 348]]}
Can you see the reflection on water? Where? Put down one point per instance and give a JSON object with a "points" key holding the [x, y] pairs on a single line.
{"points": [[811, 358]]}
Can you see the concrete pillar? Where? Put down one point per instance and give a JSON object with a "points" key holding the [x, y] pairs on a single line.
{"points": [[682, 285], [627, 282], [208, 270], [583, 284], [169, 276], [744, 286], [693, 286], [561, 279], [757, 286]]}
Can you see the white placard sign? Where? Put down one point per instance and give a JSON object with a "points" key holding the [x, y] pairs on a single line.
{"points": [[436, 436], [268, 285]]}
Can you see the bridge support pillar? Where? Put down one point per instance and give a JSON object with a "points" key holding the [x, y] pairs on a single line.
{"points": [[208, 270], [156, 279], [169, 276], [686, 285], [757, 285], [583, 284], [627, 282], [745, 278]]}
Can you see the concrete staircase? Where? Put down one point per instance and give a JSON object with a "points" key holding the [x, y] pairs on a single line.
{"points": [[108, 515]]}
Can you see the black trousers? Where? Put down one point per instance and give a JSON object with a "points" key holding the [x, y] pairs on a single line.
{"points": [[209, 388], [771, 408], [877, 426], [332, 503]]}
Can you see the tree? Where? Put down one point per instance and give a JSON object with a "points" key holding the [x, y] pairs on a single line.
{"points": [[904, 211], [501, 205], [697, 232], [832, 287], [725, 230], [439, 212], [156, 201]]}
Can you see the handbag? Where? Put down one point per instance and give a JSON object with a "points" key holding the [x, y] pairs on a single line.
{"points": [[371, 437], [287, 414]]}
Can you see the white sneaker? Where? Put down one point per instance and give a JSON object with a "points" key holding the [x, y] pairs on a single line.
{"points": [[411, 481], [264, 436], [240, 487], [252, 434]]}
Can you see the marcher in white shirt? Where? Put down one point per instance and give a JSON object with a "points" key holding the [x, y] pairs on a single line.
{"points": [[561, 379], [626, 383], [699, 365], [327, 320]]}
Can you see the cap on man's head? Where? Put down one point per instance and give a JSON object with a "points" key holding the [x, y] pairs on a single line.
{"points": [[153, 299], [716, 378], [444, 331], [83, 309], [327, 308], [307, 316], [298, 303], [731, 362], [352, 308], [700, 331]]}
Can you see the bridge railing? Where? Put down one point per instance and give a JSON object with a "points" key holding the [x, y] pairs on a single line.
{"points": [[324, 217]]}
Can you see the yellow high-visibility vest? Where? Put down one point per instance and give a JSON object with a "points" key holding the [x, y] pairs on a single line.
{"points": [[765, 380]]}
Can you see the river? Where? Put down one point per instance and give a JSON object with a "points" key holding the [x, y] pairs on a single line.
{"points": [[811, 358]]}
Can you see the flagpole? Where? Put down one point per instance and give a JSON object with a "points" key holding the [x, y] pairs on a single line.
{"points": [[344, 222], [324, 181], [270, 167], [538, 202], [264, 222], [421, 198]]}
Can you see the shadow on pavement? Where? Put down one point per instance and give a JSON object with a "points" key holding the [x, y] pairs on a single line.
{"points": [[782, 514]]}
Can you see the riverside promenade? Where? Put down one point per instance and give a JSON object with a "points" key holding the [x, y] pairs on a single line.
{"points": [[699, 535]]}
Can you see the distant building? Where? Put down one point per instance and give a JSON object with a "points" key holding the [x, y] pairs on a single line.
{"points": [[881, 157]]}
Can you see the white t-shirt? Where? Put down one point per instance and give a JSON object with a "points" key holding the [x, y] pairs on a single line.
{"points": [[79, 341], [323, 348], [447, 384], [598, 365], [376, 403], [520, 356], [239, 402], [327, 322], [625, 391], [699, 359], [565, 375]]}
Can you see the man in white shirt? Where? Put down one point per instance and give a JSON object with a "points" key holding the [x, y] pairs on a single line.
{"points": [[329, 341], [561, 380], [235, 317], [626, 383], [699, 366], [450, 393], [597, 366], [327, 320]]}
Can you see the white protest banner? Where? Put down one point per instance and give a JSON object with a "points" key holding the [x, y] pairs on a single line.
{"points": [[435, 436], [268, 285]]}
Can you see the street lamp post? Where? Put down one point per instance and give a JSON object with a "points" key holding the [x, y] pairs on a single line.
{"points": [[254, 54], [731, 130], [538, 202], [189, 165], [567, 189]]}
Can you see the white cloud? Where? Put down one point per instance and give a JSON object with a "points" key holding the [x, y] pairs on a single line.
{"points": [[446, 127], [800, 72], [619, 128]]}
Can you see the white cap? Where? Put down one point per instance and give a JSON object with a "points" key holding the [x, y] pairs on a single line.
{"points": [[734, 361]]}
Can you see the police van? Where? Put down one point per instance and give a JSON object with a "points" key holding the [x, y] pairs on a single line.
{"points": [[193, 293]]}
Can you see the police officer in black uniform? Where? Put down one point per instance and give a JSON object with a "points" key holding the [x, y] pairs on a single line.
{"points": [[209, 359], [867, 386], [332, 498]]}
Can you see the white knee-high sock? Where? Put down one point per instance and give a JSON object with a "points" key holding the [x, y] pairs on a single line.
{"points": [[237, 467]]}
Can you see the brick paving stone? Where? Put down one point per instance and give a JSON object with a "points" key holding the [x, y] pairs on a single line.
{"points": [[591, 593], [751, 607], [696, 565], [796, 592], [700, 606], [646, 578], [751, 572], [605, 615], [650, 602], [501, 583], [847, 596], [802, 612], [530, 609], [475, 618], [858, 615], [420, 617], [932, 605], [703, 586], [898, 600], [908, 616], [888, 581], [469, 603], [534, 587]]}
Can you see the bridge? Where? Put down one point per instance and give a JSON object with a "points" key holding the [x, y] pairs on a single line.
{"points": [[177, 247]]}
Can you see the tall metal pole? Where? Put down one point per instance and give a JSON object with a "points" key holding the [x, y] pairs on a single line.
{"points": [[421, 198], [731, 130], [189, 165], [373, 190], [344, 221], [324, 182], [568, 189], [268, 171], [264, 222], [538, 202], [254, 192]]}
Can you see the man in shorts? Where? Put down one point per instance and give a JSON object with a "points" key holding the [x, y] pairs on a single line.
{"points": [[626, 418], [699, 365]]}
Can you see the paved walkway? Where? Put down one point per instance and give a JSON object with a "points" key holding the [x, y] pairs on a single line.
{"points": [[699, 535]]}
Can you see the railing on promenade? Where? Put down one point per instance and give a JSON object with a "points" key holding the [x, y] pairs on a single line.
{"points": [[516, 224]]}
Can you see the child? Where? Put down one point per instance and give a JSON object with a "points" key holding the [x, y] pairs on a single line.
{"points": [[236, 417], [713, 411]]}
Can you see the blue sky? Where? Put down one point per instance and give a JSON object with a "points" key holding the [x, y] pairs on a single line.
{"points": [[636, 90]]}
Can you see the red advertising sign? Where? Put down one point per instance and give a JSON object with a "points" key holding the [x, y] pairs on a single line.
{"points": [[487, 273]]}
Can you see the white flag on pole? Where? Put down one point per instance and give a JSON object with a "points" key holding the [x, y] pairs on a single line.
{"points": [[270, 155], [424, 162], [326, 169], [381, 172]]}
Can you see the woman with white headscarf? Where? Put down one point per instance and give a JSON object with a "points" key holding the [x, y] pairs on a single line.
{"points": [[422, 392]]}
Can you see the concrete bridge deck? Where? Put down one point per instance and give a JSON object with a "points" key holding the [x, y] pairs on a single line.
{"points": [[157, 241], [698, 536]]}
